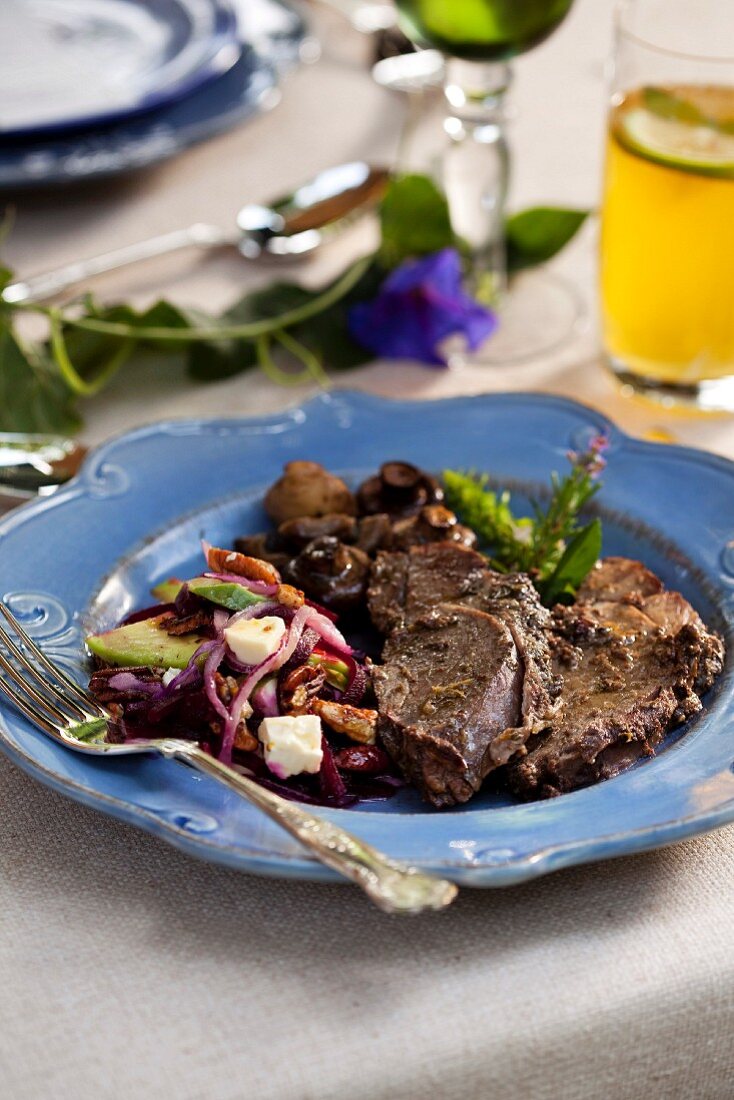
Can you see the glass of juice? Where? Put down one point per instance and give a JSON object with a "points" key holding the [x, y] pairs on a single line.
{"points": [[667, 243], [478, 39]]}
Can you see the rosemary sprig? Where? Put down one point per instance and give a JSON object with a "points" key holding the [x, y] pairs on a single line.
{"points": [[552, 545]]}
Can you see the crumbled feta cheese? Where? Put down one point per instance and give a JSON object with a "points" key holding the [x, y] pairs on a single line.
{"points": [[292, 744], [254, 640], [169, 675]]}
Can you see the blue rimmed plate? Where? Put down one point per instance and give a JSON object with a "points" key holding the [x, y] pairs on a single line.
{"points": [[271, 36], [65, 64], [87, 555]]}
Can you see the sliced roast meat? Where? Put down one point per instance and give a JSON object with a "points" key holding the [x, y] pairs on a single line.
{"points": [[405, 591], [404, 586], [387, 590], [617, 579], [450, 700], [513, 598], [635, 661]]}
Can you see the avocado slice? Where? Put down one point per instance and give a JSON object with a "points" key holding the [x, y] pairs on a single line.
{"points": [[144, 643], [337, 672], [167, 591], [235, 597]]}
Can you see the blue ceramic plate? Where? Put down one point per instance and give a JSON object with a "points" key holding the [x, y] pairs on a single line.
{"points": [[270, 36], [72, 63], [88, 555]]}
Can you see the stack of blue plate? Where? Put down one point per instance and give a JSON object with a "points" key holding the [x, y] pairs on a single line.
{"points": [[95, 87]]}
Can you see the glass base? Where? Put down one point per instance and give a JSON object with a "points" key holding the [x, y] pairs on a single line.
{"points": [[541, 312], [410, 72], [715, 396]]}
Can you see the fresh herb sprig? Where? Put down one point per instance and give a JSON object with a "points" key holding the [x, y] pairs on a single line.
{"points": [[551, 545]]}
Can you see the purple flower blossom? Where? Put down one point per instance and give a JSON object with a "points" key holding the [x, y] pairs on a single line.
{"points": [[420, 304], [591, 461]]}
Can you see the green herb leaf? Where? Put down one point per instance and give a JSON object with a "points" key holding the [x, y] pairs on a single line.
{"points": [[414, 218], [577, 559], [489, 514], [550, 546], [163, 314], [6, 276], [88, 360], [534, 236], [327, 334], [212, 361], [33, 396], [553, 527], [216, 360]]}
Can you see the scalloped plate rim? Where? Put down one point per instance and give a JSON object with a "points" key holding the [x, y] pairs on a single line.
{"points": [[478, 872]]}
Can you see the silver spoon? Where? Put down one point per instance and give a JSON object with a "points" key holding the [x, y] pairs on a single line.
{"points": [[291, 226], [35, 464]]}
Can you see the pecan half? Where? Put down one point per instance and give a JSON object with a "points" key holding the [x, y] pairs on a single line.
{"points": [[289, 596], [245, 740], [299, 687], [186, 624], [357, 723], [230, 561]]}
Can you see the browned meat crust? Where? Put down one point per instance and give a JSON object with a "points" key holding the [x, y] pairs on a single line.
{"points": [[450, 695], [597, 685], [635, 661], [404, 592]]}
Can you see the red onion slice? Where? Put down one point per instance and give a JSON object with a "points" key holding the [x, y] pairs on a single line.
{"points": [[258, 588], [128, 681], [326, 630], [213, 661], [270, 664], [265, 697]]}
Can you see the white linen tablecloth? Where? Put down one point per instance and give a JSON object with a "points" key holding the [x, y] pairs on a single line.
{"points": [[128, 970]]}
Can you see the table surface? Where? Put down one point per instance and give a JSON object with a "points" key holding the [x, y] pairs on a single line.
{"points": [[128, 970]]}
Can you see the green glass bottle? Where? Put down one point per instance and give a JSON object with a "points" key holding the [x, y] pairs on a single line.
{"points": [[481, 30]]}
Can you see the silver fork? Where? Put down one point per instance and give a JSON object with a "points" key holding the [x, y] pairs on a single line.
{"points": [[50, 699]]}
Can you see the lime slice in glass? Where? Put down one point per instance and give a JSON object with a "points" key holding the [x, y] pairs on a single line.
{"points": [[691, 148]]}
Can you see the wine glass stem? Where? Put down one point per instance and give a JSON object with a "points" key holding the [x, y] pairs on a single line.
{"points": [[476, 168]]}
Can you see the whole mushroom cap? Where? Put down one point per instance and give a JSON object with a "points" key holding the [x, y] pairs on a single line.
{"points": [[399, 489], [307, 489], [331, 573]]}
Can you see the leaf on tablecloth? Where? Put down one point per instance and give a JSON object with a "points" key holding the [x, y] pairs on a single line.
{"points": [[534, 236], [33, 396], [414, 219]]}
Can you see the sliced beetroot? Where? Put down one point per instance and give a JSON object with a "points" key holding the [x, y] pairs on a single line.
{"points": [[330, 781], [357, 685]]}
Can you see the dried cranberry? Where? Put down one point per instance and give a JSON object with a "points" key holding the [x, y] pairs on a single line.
{"points": [[366, 759]]}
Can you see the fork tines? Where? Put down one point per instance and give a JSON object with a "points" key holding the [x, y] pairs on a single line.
{"points": [[60, 702]]}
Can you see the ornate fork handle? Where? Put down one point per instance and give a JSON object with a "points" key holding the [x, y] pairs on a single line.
{"points": [[68, 714], [394, 888]]}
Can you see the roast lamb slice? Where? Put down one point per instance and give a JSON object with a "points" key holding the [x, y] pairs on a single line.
{"points": [[405, 590], [618, 579], [450, 700], [635, 661], [404, 586]]}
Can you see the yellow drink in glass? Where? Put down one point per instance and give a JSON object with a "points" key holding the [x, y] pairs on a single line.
{"points": [[667, 252]]}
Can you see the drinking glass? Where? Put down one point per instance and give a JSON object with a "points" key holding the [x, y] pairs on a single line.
{"points": [[667, 245], [479, 38]]}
